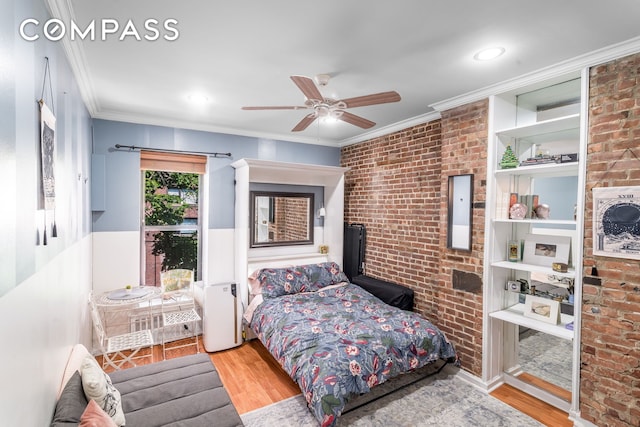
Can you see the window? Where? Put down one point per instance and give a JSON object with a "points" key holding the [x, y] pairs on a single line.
{"points": [[171, 210]]}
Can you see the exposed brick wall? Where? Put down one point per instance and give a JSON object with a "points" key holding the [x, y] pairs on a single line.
{"points": [[397, 187], [464, 151], [393, 188], [291, 219], [296, 218], [610, 374]]}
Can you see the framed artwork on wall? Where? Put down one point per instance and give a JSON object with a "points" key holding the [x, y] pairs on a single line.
{"points": [[616, 222]]}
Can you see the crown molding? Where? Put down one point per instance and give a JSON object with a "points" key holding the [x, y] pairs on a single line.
{"points": [[62, 9], [574, 65], [392, 128], [180, 124]]}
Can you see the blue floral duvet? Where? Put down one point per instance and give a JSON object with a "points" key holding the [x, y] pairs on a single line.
{"points": [[341, 341]]}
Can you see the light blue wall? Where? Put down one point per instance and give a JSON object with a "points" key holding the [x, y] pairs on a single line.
{"points": [[122, 176], [22, 66], [553, 191], [43, 289]]}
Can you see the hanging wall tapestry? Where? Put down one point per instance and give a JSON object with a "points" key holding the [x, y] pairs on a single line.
{"points": [[616, 222], [47, 148], [47, 145]]}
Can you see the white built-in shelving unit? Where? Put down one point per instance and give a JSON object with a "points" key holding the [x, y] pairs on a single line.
{"points": [[548, 118]]}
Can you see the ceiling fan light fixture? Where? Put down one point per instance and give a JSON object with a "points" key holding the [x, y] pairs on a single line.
{"points": [[323, 79], [328, 107], [489, 53], [198, 98]]}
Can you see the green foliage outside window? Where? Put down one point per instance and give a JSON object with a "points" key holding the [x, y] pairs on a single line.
{"points": [[179, 249]]}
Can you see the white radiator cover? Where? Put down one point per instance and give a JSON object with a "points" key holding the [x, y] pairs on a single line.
{"points": [[221, 315]]}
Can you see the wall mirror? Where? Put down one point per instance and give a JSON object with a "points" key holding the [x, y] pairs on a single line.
{"points": [[460, 212], [281, 218]]}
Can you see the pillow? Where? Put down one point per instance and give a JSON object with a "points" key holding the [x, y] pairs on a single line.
{"points": [[97, 386], [254, 283], [324, 274], [72, 402], [78, 353], [275, 282], [94, 416]]}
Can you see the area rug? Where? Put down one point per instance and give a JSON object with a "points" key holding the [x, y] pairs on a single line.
{"points": [[547, 357], [439, 400]]}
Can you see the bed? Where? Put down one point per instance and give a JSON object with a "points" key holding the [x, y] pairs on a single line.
{"points": [[336, 340]]}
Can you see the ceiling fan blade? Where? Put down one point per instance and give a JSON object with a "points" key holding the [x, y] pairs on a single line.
{"points": [[308, 87], [356, 120], [304, 123], [377, 98], [284, 107]]}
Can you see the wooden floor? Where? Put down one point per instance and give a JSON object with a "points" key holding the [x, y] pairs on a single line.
{"points": [[254, 379]]}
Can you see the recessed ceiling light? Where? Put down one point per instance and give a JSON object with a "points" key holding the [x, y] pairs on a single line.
{"points": [[198, 98], [487, 54]]}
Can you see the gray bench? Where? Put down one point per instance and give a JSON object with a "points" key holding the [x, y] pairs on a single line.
{"points": [[186, 391], [181, 392]]}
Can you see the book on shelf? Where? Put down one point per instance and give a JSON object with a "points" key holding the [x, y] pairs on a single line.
{"points": [[502, 206], [513, 199]]}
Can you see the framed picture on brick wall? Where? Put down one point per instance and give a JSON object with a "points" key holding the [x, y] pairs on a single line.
{"points": [[616, 222]]}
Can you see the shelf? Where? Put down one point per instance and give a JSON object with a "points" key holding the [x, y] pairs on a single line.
{"points": [[535, 221], [566, 123], [547, 169], [550, 120], [293, 256], [515, 315], [520, 266]]}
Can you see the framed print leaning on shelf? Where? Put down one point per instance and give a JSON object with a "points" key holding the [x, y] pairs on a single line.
{"points": [[544, 250], [616, 222], [543, 309]]}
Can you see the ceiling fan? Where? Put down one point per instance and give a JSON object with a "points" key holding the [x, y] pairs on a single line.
{"points": [[327, 107]]}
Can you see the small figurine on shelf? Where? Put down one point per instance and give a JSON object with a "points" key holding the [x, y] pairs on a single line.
{"points": [[542, 211], [509, 159], [518, 211]]}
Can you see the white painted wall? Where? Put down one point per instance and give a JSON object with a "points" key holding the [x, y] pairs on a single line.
{"points": [[116, 260], [40, 323]]}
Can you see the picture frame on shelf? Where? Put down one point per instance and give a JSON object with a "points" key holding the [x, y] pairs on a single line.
{"points": [[543, 309], [544, 250]]}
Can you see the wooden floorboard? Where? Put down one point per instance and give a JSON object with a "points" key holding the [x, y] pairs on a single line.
{"points": [[535, 408], [254, 379]]}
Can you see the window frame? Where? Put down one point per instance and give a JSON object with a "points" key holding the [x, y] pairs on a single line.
{"points": [[179, 163]]}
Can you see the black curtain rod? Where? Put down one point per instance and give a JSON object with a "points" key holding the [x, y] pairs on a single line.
{"points": [[166, 150]]}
